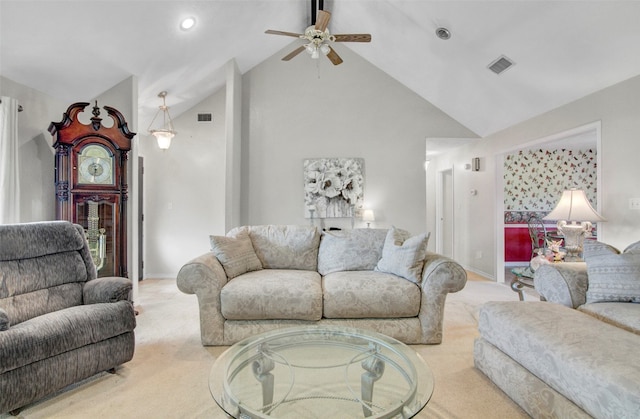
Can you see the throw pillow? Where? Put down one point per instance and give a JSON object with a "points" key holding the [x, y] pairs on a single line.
{"points": [[284, 246], [403, 255], [613, 276], [236, 254], [593, 248], [633, 248], [350, 250]]}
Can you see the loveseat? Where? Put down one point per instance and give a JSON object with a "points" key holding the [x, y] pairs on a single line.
{"points": [[59, 324], [575, 355], [258, 278]]}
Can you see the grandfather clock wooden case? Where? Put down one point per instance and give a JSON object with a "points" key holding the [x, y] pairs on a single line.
{"points": [[91, 182]]}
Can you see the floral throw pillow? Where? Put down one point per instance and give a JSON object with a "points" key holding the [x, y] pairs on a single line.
{"points": [[236, 254], [403, 255]]}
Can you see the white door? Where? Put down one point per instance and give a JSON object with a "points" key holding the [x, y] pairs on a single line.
{"points": [[446, 213]]}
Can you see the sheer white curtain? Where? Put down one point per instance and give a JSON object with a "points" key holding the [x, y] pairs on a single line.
{"points": [[9, 162]]}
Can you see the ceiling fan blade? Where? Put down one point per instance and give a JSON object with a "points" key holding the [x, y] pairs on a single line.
{"points": [[322, 20], [353, 37], [272, 32], [334, 57], [293, 53]]}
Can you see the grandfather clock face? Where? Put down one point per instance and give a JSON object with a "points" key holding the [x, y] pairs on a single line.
{"points": [[95, 166]]}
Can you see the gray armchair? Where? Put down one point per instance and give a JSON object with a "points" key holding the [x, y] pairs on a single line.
{"points": [[59, 323]]}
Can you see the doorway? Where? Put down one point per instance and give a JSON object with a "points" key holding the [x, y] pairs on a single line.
{"points": [[588, 136]]}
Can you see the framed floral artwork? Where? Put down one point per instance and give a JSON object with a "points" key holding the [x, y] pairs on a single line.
{"points": [[333, 187]]}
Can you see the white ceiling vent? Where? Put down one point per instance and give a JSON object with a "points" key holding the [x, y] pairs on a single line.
{"points": [[501, 64], [205, 117]]}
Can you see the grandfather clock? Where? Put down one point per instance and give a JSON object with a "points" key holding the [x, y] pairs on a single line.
{"points": [[91, 182]]}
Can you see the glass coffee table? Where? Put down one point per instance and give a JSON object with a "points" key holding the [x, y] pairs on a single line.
{"points": [[320, 372]]}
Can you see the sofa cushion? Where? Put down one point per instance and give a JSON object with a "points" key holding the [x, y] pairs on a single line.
{"points": [[623, 315], [614, 277], [403, 255], [35, 286], [236, 254], [32, 240], [62, 331], [369, 294], [284, 246], [273, 294], [350, 250], [582, 358]]}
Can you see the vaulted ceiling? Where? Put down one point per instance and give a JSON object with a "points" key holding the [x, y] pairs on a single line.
{"points": [[563, 50]]}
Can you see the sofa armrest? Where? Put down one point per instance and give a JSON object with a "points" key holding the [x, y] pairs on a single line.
{"points": [[563, 283], [108, 289], [440, 276], [204, 276]]}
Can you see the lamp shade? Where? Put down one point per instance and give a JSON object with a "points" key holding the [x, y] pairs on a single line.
{"points": [[164, 137], [574, 206], [367, 215]]}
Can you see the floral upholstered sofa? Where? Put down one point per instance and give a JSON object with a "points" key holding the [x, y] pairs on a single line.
{"points": [[575, 355], [258, 278]]}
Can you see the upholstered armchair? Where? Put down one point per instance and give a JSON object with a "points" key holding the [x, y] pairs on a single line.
{"points": [[59, 323]]}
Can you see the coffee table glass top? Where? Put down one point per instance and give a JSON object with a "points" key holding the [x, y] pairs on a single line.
{"points": [[320, 372]]}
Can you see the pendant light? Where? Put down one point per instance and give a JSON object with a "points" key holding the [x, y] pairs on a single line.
{"points": [[165, 133]]}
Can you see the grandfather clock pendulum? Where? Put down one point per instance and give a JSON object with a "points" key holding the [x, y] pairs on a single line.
{"points": [[91, 182]]}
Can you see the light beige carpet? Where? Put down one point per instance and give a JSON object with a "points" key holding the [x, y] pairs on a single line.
{"points": [[168, 375]]}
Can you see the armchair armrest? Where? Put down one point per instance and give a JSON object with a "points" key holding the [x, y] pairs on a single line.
{"points": [[204, 276], [108, 289], [440, 276], [563, 283]]}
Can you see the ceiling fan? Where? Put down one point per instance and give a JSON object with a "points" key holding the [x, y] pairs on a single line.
{"points": [[318, 38]]}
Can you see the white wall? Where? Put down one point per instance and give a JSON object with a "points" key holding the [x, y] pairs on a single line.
{"points": [[308, 108], [184, 189], [617, 108], [37, 189]]}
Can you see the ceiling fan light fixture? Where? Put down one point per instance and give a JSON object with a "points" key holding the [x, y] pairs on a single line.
{"points": [[165, 133], [319, 38]]}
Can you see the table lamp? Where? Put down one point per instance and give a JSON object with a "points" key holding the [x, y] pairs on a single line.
{"points": [[574, 215], [368, 216]]}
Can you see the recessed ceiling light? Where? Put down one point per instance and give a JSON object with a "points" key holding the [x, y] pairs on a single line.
{"points": [[443, 33], [188, 23]]}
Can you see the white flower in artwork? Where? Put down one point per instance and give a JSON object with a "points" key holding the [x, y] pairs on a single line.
{"points": [[333, 186]]}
